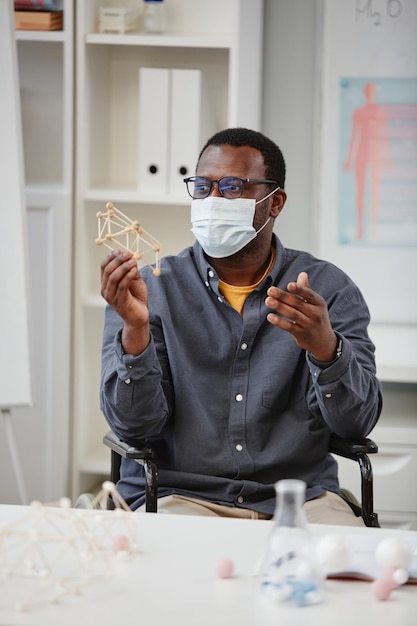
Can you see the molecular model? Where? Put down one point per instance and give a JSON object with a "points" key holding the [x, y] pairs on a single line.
{"points": [[389, 563], [394, 557], [52, 551], [128, 235]]}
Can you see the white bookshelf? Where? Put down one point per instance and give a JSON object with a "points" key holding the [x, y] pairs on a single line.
{"points": [[223, 40]]}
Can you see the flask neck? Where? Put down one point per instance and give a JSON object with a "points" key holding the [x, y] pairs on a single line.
{"points": [[290, 497]]}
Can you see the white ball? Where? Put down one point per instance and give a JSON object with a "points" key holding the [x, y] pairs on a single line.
{"points": [[400, 576], [393, 552], [332, 553], [109, 486]]}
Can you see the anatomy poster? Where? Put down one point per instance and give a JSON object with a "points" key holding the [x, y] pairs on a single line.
{"points": [[378, 161]]}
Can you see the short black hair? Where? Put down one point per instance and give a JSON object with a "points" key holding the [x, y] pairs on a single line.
{"points": [[237, 137]]}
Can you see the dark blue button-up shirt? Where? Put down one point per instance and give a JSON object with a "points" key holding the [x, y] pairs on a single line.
{"points": [[231, 404]]}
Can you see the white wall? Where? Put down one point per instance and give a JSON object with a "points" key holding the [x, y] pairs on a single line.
{"points": [[289, 109]]}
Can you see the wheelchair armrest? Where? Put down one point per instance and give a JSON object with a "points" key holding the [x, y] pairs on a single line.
{"points": [[358, 450], [143, 455], [126, 451], [351, 448]]}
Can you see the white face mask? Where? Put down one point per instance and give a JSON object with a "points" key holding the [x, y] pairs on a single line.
{"points": [[222, 226]]}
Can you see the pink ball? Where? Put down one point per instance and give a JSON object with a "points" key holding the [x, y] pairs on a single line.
{"points": [[225, 568], [120, 543]]}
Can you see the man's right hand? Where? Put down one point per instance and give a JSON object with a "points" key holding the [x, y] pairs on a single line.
{"points": [[125, 291]]}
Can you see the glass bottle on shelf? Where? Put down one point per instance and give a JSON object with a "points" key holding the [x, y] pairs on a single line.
{"points": [[154, 16], [289, 570]]}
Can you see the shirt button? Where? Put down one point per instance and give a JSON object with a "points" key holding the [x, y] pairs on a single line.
{"points": [[328, 395], [240, 499], [207, 284], [219, 298], [211, 273], [244, 346], [239, 397], [127, 381], [239, 447]]}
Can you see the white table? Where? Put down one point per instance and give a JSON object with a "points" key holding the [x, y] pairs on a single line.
{"points": [[173, 581]]}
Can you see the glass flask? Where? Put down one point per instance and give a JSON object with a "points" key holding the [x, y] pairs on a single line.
{"points": [[289, 571]]}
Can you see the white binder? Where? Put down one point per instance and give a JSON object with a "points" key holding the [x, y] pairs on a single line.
{"points": [[154, 129], [191, 125]]}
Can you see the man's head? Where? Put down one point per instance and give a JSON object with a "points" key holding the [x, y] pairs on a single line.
{"points": [[237, 194], [239, 137]]}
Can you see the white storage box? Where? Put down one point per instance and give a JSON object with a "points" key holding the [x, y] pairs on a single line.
{"points": [[118, 19]]}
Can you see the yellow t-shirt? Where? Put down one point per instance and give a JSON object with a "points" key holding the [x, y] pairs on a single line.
{"points": [[237, 294]]}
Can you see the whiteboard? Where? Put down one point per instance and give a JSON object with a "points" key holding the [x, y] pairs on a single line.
{"points": [[15, 370], [363, 42], [367, 198]]}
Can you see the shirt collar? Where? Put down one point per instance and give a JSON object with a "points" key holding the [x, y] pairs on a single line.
{"points": [[209, 276]]}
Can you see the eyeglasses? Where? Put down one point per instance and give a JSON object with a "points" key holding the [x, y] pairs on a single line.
{"points": [[200, 187]]}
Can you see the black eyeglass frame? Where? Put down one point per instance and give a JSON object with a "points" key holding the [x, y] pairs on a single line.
{"points": [[256, 181]]}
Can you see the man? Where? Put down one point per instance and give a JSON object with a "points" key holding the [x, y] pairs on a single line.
{"points": [[238, 361]]}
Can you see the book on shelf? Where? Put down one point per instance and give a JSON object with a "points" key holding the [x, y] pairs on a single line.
{"points": [[38, 20], [39, 5]]}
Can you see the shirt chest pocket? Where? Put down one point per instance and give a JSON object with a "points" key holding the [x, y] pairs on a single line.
{"points": [[283, 380]]}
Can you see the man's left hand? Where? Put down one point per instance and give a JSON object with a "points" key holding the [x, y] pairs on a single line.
{"points": [[303, 313]]}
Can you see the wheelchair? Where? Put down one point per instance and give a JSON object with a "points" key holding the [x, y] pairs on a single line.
{"points": [[356, 450]]}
